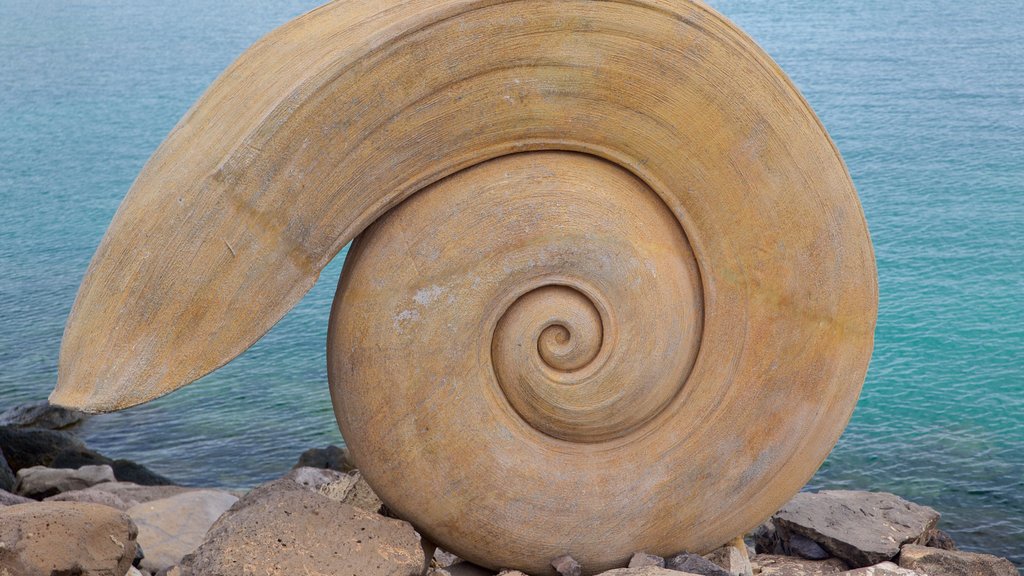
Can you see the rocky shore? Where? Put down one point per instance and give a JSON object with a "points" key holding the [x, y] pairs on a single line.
{"points": [[68, 510]]}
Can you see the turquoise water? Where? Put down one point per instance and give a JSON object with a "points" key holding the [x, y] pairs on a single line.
{"points": [[925, 100]]}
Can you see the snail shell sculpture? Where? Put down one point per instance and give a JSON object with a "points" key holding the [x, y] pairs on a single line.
{"points": [[611, 288]]}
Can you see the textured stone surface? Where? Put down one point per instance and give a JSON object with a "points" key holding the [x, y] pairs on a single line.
{"points": [[331, 457], [642, 559], [732, 558], [124, 470], [643, 571], [91, 495], [766, 539], [27, 448], [862, 528], [694, 564], [352, 489], [120, 495], [65, 538], [40, 415], [566, 565], [9, 499], [884, 569], [939, 539], [170, 528], [799, 545], [939, 562], [7, 477], [313, 478], [776, 565], [39, 481], [277, 529]]}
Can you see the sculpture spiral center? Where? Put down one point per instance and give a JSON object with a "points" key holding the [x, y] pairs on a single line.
{"points": [[565, 324]]}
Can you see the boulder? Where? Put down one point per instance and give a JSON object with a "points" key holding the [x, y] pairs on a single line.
{"points": [[124, 470], [566, 565], [277, 529], [939, 539], [732, 558], [120, 495], [331, 457], [7, 477], [170, 528], [40, 415], [92, 495], [862, 528], [883, 569], [939, 562], [694, 564], [65, 538], [8, 499], [38, 482], [799, 545], [353, 490], [643, 559], [776, 565], [27, 448]]}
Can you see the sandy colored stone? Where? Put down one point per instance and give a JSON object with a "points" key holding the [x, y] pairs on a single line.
{"points": [[939, 562], [644, 571], [120, 495], [777, 565], [353, 490], [72, 538], [172, 527], [642, 559], [884, 569], [732, 558]]}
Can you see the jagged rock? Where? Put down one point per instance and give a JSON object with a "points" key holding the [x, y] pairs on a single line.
{"points": [[642, 559], [8, 499], [939, 562], [883, 569], [939, 539], [352, 489], [766, 539], [65, 538], [776, 565], [732, 559], [442, 558], [27, 448], [40, 415], [120, 495], [802, 546], [124, 470], [313, 478], [566, 565], [331, 457], [7, 477], [276, 529], [694, 564], [170, 528], [38, 482], [862, 528]]}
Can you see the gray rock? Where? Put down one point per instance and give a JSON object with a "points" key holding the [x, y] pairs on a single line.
{"points": [[280, 530], [353, 490], [7, 477], [67, 538], [170, 528], [694, 564], [862, 528], [124, 470], [776, 565], [8, 499], [120, 495], [642, 559], [566, 565], [442, 558], [40, 415], [27, 448], [93, 496], [883, 569], [939, 562], [766, 539], [802, 546], [331, 457], [642, 571], [313, 478], [515, 573], [939, 539], [38, 482]]}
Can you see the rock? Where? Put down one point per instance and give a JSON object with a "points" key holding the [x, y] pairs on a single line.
{"points": [[40, 415], [514, 573], [468, 569], [133, 571], [277, 529], [38, 482], [124, 470], [642, 559], [775, 565], [438, 572], [8, 499], [68, 538], [804, 547], [939, 539], [883, 569], [331, 457], [732, 558], [7, 477], [27, 448], [642, 571], [766, 539], [92, 495], [442, 558], [566, 565], [862, 528], [120, 495], [313, 478], [694, 564], [353, 490], [170, 528], [939, 562]]}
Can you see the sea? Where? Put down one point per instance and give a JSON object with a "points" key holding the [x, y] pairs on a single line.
{"points": [[924, 98]]}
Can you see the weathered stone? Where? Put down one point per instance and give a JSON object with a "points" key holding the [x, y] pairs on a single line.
{"points": [[939, 539], [766, 539], [732, 559], [776, 565], [802, 546], [38, 482], [172, 527], [27, 448], [40, 415], [883, 569], [436, 571], [515, 573], [120, 495], [566, 565], [331, 457], [939, 562], [862, 528], [353, 490], [694, 564], [279, 530], [65, 538], [642, 571], [642, 559], [442, 558], [92, 495], [8, 499], [7, 477], [313, 478], [124, 470]]}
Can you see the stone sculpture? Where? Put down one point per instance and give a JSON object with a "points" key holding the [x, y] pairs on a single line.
{"points": [[611, 288]]}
